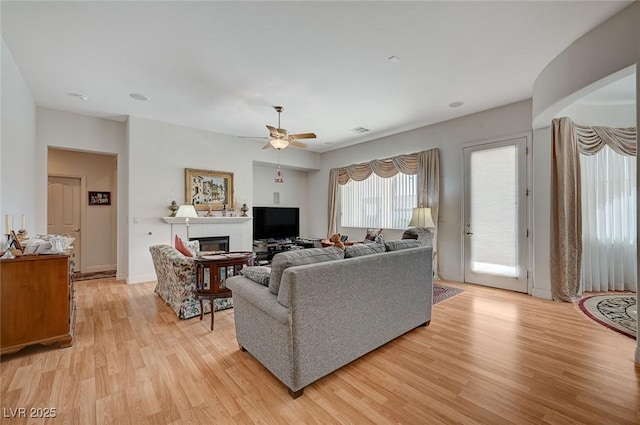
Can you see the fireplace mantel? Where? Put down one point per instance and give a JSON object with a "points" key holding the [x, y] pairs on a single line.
{"points": [[206, 220], [239, 229]]}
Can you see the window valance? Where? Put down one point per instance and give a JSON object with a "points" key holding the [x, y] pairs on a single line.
{"points": [[592, 139]]}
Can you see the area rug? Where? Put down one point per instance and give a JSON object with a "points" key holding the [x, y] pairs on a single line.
{"points": [[615, 311], [97, 275], [441, 293]]}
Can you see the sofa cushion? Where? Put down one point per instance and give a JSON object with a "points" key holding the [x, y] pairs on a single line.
{"points": [[259, 274], [363, 249], [402, 244], [288, 259]]}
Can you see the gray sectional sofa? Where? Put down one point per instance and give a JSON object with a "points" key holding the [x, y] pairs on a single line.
{"points": [[326, 310]]}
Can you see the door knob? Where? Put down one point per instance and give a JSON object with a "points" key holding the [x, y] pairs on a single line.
{"points": [[468, 233], [76, 229]]}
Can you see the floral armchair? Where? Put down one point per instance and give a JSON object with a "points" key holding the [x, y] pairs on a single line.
{"points": [[177, 281]]}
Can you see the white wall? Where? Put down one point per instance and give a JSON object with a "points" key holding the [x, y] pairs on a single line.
{"points": [[589, 63], [541, 192], [18, 148], [99, 227], [601, 115], [598, 55], [158, 154], [637, 355], [67, 130], [292, 193], [449, 137]]}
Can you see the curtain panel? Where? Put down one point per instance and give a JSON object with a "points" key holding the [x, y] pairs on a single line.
{"points": [[425, 164], [569, 140]]}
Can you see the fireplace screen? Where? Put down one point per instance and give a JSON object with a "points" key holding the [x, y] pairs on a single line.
{"points": [[213, 243]]}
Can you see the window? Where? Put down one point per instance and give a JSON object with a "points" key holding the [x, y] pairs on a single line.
{"points": [[609, 242], [379, 202]]}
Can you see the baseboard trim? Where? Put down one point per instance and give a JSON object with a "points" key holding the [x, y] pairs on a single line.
{"points": [[542, 293], [453, 277], [100, 268], [141, 278]]}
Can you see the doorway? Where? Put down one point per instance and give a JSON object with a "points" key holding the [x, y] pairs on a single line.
{"points": [[495, 214], [96, 241], [64, 212]]}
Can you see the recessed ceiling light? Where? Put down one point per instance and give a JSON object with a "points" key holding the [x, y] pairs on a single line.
{"points": [[360, 130], [140, 97], [456, 104], [79, 96], [394, 59]]}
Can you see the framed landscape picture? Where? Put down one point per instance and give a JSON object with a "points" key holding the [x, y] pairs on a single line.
{"points": [[99, 198], [206, 189]]}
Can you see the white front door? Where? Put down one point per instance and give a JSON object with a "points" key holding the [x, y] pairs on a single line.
{"points": [[495, 215], [64, 209]]}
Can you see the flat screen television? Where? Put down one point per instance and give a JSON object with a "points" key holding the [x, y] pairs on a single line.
{"points": [[276, 223]]}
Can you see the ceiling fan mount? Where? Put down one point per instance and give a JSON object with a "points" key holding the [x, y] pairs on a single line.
{"points": [[280, 138]]}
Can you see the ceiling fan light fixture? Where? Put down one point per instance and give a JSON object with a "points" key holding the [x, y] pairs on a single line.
{"points": [[279, 143]]}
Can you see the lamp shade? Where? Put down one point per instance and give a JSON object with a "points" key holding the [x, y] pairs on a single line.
{"points": [[188, 211], [421, 217]]}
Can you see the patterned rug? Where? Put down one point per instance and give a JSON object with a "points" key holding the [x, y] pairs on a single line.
{"points": [[97, 275], [615, 311], [441, 293]]}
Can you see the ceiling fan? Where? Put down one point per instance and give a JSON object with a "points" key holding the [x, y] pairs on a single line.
{"points": [[280, 138]]}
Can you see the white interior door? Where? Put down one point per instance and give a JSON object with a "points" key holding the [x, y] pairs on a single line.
{"points": [[64, 209], [495, 215]]}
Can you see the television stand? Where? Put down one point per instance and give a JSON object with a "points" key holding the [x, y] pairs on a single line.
{"points": [[266, 249]]}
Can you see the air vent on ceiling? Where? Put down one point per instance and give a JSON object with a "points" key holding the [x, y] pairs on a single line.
{"points": [[360, 130]]}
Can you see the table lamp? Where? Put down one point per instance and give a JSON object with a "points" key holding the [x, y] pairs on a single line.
{"points": [[421, 218], [187, 211], [421, 221]]}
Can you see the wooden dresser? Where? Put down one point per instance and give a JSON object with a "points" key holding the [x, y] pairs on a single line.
{"points": [[36, 302]]}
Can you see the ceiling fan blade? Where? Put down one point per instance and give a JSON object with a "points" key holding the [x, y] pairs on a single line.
{"points": [[254, 137], [267, 146], [274, 132], [297, 144], [303, 136]]}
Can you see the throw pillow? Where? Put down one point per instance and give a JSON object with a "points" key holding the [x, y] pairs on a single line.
{"points": [[193, 247], [402, 244], [259, 274], [284, 260], [371, 234], [188, 249], [363, 249]]}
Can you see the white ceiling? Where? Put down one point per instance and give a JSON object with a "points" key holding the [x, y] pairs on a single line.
{"points": [[221, 66]]}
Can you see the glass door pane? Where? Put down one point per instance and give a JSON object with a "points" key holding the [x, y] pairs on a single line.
{"points": [[494, 211], [495, 248]]}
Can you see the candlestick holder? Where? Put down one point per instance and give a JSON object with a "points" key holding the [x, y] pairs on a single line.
{"points": [[173, 207]]}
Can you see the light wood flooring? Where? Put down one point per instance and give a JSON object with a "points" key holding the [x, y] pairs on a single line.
{"points": [[488, 357]]}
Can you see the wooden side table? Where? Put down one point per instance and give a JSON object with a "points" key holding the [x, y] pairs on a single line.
{"points": [[212, 272]]}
